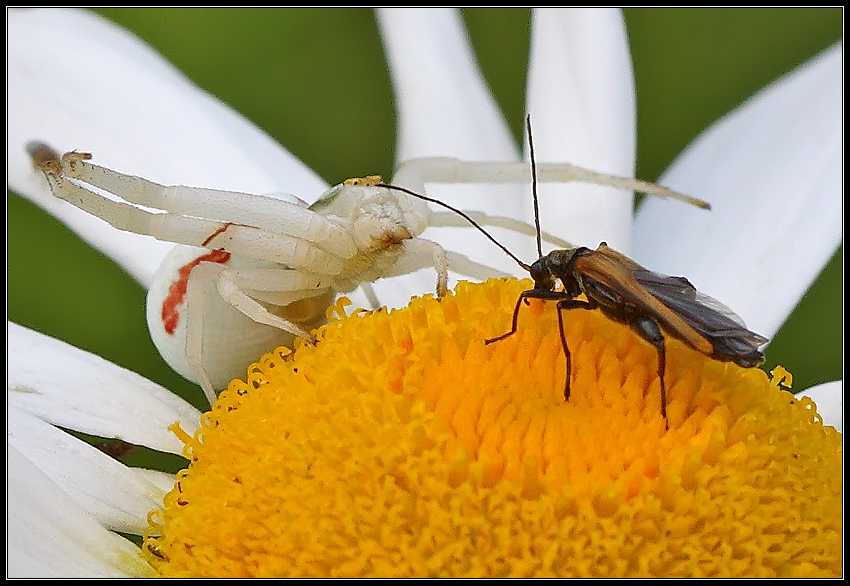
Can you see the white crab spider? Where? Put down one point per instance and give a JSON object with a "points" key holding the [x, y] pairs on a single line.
{"points": [[257, 271]]}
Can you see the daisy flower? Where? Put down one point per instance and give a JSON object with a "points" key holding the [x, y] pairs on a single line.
{"points": [[74, 79]]}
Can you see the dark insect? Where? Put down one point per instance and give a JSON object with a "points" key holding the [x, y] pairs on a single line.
{"points": [[651, 303], [116, 448]]}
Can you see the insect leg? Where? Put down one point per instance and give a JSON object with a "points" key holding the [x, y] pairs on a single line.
{"points": [[566, 304], [519, 302], [523, 298], [648, 329]]}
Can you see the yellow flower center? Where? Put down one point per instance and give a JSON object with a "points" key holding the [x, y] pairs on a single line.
{"points": [[402, 445]]}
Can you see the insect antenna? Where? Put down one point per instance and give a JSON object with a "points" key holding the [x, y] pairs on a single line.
{"points": [[475, 224], [465, 216], [534, 187]]}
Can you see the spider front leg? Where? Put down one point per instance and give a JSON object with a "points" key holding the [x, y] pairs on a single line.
{"points": [[277, 213], [420, 253], [262, 227], [484, 219]]}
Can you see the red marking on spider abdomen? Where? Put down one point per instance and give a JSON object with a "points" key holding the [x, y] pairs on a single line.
{"points": [[177, 289]]}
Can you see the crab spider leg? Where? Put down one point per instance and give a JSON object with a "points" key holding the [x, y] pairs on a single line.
{"points": [[371, 296], [417, 172], [232, 293], [195, 300], [245, 288], [484, 219], [232, 286], [416, 250], [270, 214], [464, 265], [235, 238], [278, 285]]}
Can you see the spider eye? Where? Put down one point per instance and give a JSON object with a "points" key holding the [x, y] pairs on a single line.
{"points": [[368, 181]]}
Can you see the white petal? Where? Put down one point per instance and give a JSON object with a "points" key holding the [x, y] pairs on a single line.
{"points": [[829, 398], [772, 170], [116, 496], [49, 535], [444, 106], [581, 98], [77, 390], [162, 480], [445, 109], [77, 81]]}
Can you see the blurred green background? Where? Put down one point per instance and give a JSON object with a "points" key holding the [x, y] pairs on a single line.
{"points": [[316, 80]]}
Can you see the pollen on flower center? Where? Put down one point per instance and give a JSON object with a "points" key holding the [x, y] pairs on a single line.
{"points": [[402, 445]]}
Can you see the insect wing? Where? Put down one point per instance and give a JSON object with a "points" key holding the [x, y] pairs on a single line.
{"points": [[616, 279], [713, 320], [705, 314]]}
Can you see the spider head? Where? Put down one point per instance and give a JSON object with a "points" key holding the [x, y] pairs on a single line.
{"points": [[376, 216]]}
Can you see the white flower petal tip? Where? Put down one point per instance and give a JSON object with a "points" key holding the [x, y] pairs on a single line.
{"points": [[772, 170], [829, 397], [445, 108], [77, 81], [581, 99], [54, 537], [77, 390], [116, 496]]}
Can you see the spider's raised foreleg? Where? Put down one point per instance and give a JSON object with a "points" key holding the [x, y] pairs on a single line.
{"points": [[254, 226], [278, 213], [412, 175]]}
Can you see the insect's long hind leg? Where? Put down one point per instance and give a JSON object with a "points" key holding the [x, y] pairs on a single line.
{"points": [[566, 304], [569, 371], [649, 330]]}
